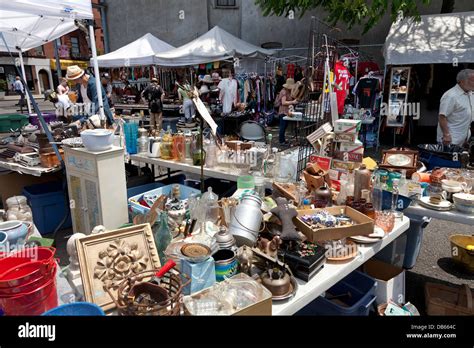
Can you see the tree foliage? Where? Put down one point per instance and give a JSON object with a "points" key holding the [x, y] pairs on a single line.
{"points": [[352, 12]]}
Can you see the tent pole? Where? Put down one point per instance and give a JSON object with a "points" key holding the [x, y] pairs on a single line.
{"points": [[96, 72], [22, 64], [58, 61]]}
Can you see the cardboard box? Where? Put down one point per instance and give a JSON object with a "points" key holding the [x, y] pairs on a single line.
{"points": [[356, 147], [363, 225], [346, 137], [323, 162], [202, 275], [390, 281], [262, 307], [347, 126], [349, 156], [344, 165]]}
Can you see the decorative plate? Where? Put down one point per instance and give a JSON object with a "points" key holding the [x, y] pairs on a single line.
{"points": [[399, 160], [441, 206], [351, 251]]}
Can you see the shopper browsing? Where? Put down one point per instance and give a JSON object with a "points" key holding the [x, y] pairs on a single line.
{"points": [[63, 87], [87, 91], [285, 101], [188, 104], [155, 96], [456, 110], [20, 90]]}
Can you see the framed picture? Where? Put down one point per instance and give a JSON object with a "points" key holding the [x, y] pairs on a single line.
{"points": [[106, 259]]}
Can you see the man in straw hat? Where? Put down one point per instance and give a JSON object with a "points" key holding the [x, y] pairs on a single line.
{"points": [[155, 95], [87, 91], [285, 100]]}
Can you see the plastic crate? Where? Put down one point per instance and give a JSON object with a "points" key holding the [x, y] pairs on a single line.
{"points": [[47, 202], [48, 118], [137, 190], [137, 208], [12, 121], [362, 290]]}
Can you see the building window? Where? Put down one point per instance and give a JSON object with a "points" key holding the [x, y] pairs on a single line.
{"points": [[226, 3], [75, 51], [38, 51]]}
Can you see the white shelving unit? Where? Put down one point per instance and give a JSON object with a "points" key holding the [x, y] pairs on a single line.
{"points": [[97, 188]]}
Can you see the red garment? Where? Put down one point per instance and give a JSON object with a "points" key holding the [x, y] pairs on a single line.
{"points": [[342, 78], [290, 71], [364, 67]]}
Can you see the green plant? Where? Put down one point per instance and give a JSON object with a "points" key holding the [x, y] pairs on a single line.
{"points": [[3, 85]]}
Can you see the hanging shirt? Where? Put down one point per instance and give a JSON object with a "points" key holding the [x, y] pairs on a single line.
{"points": [[290, 71], [228, 88], [457, 105], [366, 91], [342, 80]]}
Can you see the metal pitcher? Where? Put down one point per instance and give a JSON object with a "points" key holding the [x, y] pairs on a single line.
{"points": [[246, 220]]}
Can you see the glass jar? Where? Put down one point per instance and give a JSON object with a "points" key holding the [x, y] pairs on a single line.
{"points": [[167, 145], [178, 151], [369, 210]]}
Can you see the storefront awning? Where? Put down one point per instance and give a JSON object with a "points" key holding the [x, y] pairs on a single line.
{"points": [[434, 39], [84, 64]]}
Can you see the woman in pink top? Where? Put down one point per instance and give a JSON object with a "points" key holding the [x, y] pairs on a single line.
{"points": [[63, 87]]}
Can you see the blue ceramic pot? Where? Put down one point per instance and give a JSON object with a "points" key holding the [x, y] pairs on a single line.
{"points": [[15, 230], [3, 240], [226, 264]]}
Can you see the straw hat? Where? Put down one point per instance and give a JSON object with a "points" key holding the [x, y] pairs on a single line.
{"points": [[74, 72], [207, 79], [290, 83]]}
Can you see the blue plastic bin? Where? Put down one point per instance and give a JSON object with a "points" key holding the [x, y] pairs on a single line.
{"points": [[137, 208], [134, 191], [359, 285], [172, 122], [76, 309], [47, 202]]}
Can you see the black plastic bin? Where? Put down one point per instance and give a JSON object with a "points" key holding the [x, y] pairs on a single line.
{"points": [[438, 155]]}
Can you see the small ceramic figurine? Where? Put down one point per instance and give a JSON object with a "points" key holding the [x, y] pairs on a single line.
{"points": [[270, 247], [245, 256], [72, 252], [286, 215]]}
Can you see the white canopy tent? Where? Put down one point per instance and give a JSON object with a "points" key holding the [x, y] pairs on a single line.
{"points": [[25, 24], [215, 45], [434, 39], [139, 52]]}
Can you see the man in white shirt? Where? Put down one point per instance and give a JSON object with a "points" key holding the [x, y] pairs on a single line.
{"points": [[20, 90], [456, 110]]}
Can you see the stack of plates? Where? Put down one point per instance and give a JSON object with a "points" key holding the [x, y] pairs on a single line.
{"points": [[371, 238]]}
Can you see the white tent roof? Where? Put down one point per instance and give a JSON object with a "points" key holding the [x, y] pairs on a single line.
{"points": [[139, 52], [26, 24], [435, 39], [215, 45]]}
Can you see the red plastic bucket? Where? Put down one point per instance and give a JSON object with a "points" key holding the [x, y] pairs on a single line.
{"points": [[45, 254], [28, 286], [34, 302]]}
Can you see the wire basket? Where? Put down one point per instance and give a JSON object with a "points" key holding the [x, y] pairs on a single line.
{"points": [[171, 284]]}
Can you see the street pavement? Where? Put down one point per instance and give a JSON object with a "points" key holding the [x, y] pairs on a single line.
{"points": [[7, 106]]}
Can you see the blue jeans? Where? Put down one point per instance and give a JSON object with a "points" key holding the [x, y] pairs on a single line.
{"points": [[283, 126]]}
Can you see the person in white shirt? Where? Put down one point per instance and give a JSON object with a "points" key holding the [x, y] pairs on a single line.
{"points": [[456, 111], [228, 93], [19, 89]]}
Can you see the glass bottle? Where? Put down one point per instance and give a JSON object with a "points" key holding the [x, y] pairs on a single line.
{"points": [[269, 161], [163, 237], [377, 193], [188, 147], [143, 141], [167, 145], [211, 201], [395, 193]]}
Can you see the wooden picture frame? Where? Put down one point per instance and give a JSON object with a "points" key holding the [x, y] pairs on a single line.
{"points": [[110, 257]]}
